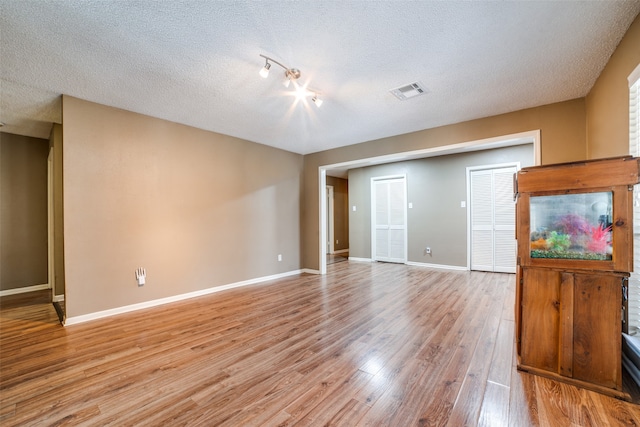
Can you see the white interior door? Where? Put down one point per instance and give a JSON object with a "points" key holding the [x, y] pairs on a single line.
{"points": [[493, 243], [389, 219], [481, 221], [504, 221]]}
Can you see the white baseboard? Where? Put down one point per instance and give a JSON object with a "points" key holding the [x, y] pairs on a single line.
{"points": [[148, 304], [352, 258], [58, 298], [418, 264], [441, 266], [24, 290]]}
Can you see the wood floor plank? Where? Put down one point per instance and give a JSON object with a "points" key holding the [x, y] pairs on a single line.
{"points": [[501, 362], [367, 344], [468, 383], [495, 406], [349, 414], [330, 407], [523, 400], [457, 348], [566, 404], [469, 400], [261, 409], [615, 412]]}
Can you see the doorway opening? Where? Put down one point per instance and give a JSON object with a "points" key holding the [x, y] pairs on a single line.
{"points": [[522, 138]]}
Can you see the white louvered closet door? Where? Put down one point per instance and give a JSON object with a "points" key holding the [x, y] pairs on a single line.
{"points": [[493, 243], [389, 220], [481, 221]]}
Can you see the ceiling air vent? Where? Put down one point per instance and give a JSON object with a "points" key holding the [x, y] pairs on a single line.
{"points": [[408, 91]]}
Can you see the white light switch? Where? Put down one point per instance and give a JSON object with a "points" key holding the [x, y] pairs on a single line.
{"points": [[410, 205], [354, 208], [463, 204]]}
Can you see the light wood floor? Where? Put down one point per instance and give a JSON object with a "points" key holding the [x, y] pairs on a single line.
{"points": [[368, 344]]}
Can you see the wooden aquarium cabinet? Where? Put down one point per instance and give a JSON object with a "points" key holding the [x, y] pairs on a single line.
{"points": [[574, 226]]}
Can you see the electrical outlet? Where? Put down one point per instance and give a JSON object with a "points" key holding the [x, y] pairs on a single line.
{"points": [[427, 250], [279, 257], [141, 276]]}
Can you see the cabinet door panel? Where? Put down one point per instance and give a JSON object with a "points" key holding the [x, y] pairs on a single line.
{"points": [[540, 318], [596, 329]]}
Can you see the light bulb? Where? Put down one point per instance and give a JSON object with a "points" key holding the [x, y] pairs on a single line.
{"points": [[264, 72], [301, 91]]}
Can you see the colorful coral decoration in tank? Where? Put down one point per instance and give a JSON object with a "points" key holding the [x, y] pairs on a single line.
{"points": [[600, 239]]}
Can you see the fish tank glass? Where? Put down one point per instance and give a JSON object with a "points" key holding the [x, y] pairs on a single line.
{"points": [[572, 226]]}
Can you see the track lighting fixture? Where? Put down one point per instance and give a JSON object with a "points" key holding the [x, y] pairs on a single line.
{"points": [[290, 74]]}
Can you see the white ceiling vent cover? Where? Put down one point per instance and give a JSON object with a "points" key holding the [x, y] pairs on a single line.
{"points": [[409, 91]]}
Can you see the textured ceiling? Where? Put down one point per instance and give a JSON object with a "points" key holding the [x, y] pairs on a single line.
{"points": [[197, 62]]}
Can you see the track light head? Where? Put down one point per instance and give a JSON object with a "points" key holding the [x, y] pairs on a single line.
{"points": [[264, 72], [317, 101]]}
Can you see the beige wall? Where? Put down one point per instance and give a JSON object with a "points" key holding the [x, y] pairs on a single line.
{"points": [[562, 140], [23, 211], [340, 212], [195, 208], [607, 104]]}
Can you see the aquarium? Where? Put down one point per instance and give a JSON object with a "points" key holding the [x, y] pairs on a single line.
{"points": [[572, 226]]}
